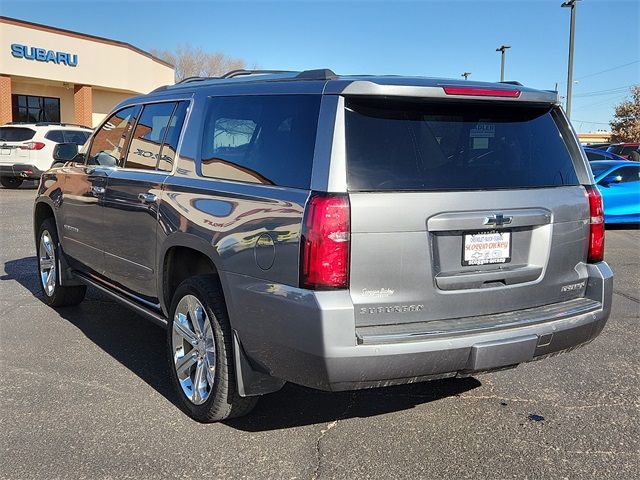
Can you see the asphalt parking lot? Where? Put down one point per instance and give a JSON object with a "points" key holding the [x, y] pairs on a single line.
{"points": [[84, 394]]}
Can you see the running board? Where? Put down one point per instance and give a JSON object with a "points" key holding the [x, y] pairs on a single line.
{"points": [[145, 312]]}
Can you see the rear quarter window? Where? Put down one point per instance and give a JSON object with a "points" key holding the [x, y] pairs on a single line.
{"points": [[413, 145], [79, 137], [261, 139], [55, 136]]}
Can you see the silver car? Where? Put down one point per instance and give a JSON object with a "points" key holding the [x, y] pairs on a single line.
{"points": [[335, 232]]}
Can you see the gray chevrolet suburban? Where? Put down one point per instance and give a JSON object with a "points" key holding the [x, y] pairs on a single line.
{"points": [[338, 232]]}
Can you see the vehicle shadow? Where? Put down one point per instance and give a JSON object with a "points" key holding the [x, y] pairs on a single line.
{"points": [[622, 226], [26, 185], [139, 346]]}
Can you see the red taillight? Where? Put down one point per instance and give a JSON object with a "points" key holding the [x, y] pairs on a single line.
{"points": [[596, 225], [32, 146], [326, 241], [481, 92]]}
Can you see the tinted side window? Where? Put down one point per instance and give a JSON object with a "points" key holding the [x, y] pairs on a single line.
{"points": [[168, 152], [261, 139], [147, 138], [55, 136], [595, 156], [628, 174], [108, 144], [75, 136]]}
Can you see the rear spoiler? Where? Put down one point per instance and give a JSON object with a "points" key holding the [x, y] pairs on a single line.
{"points": [[513, 94]]}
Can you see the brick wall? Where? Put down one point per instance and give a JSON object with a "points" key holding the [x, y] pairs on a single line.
{"points": [[5, 99], [83, 105]]}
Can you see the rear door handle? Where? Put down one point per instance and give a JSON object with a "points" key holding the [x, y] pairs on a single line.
{"points": [[96, 190], [147, 197]]}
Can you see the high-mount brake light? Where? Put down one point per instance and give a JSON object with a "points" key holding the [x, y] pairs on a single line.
{"points": [[326, 243], [596, 225], [482, 92]]}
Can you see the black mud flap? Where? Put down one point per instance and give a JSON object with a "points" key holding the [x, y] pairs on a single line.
{"points": [[250, 381]]}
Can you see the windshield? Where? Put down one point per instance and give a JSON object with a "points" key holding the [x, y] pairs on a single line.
{"points": [[411, 145]]}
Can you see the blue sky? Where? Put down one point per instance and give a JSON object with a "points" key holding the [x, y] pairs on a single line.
{"points": [[431, 38]]}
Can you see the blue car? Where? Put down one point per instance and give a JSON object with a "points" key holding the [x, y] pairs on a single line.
{"points": [[594, 154], [619, 184]]}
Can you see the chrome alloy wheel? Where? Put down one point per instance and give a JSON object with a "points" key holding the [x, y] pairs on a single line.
{"points": [[47, 263], [194, 351]]}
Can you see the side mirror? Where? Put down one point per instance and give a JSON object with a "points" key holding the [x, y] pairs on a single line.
{"points": [[64, 152], [611, 179]]}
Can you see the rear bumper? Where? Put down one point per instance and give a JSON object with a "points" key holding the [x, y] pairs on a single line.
{"points": [[20, 170], [310, 338]]}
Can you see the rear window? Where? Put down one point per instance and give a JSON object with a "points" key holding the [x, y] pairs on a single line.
{"points": [[16, 134], [410, 145]]}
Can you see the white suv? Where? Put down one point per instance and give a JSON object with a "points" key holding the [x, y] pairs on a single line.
{"points": [[26, 149]]}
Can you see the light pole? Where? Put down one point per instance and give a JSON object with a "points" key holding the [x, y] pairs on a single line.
{"points": [[572, 5], [466, 75], [503, 49]]}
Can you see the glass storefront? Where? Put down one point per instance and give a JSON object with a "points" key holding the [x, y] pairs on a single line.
{"points": [[29, 108]]}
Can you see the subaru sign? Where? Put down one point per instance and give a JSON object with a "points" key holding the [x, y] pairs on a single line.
{"points": [[43, 55]]}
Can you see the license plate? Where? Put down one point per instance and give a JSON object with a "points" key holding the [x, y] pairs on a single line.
{"points": [[484, 248], [5, 151]]}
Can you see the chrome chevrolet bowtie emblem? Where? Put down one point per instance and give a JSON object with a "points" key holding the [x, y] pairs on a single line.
{"points": [[498, 220]]}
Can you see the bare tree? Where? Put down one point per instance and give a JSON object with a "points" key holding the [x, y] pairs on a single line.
{"points": [[190, 61], [625, 126]]}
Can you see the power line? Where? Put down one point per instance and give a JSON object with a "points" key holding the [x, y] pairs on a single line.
{"points": [[609, 91], [605, 71], [608, 70], [602, 102], [595, 123]]}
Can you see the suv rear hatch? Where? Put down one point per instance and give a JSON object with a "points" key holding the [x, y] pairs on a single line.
{"points": [[13, 143], [461, 209]]}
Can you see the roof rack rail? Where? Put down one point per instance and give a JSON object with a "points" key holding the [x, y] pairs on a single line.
{"points": [[241, 72], [511, 82], [231, 74], [318, 74], [192, 79], [44, 124]]}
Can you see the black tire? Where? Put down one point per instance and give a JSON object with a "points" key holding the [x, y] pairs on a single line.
{"points": [[223, 401], [11, 182], [60, 296]]}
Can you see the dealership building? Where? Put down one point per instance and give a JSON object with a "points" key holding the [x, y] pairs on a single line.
{"points": [[48, 74]]}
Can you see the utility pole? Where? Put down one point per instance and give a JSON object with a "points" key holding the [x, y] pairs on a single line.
{"points": [[466, 75], [572, 5], [503, 49]]}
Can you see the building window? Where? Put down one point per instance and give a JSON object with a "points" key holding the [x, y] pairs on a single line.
{"points": [[31, 109]]}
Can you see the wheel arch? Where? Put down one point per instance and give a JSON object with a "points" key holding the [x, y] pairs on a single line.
{"points": [[42, 210], [183, 255]]}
